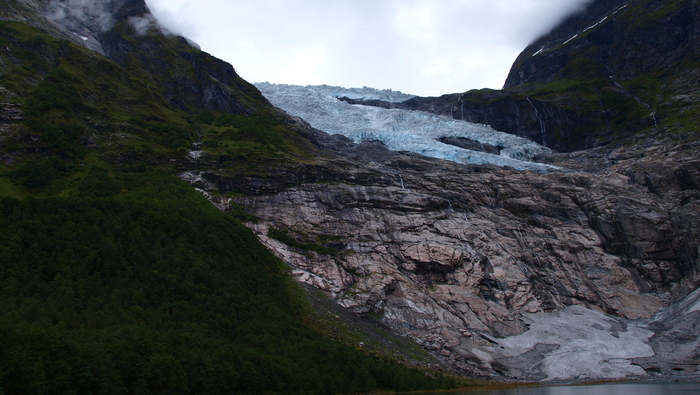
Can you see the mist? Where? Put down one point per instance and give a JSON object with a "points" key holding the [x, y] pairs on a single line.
{"points": [[423, 47], [93, 15]]}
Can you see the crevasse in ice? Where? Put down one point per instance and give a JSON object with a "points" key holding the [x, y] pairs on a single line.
{"points": [[399, 130]]}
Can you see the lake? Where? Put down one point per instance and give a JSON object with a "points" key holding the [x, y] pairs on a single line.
{"points": [[602, 389]]}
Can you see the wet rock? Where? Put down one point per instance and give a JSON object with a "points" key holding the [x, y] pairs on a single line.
{"points": [[677, 339], [449, 250], [10, 113], [465, 143]]}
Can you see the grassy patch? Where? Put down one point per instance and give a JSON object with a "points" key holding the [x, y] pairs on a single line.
{"points": [[8, 189], [284, 236], [644, 12]]}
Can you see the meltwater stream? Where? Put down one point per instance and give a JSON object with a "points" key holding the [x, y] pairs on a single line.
{"points": [[400, 130]]}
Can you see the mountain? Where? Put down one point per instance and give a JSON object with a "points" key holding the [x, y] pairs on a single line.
{"points": [[621, 71], [495, 269], [118, 277]]}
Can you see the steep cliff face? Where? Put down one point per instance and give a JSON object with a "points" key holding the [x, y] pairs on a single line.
{"points": [[616, 39], [454, 256], [474, 261], [126, 32], [617, 70]]}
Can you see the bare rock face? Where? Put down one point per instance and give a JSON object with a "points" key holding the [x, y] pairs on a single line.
{"points": [[453, 256], [677, 339], [10, 113], [82, 22]]}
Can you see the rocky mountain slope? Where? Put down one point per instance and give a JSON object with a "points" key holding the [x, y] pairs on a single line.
{"points": [[473, 262], [118, 277], [623, 70], [454, 256], [459, 257]]}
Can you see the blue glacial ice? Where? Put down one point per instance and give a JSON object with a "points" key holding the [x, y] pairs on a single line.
{"points": [[400, 130]]}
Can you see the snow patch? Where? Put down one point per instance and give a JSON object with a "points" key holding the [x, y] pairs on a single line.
{"points": [[571, 39], [604, 19], [82, 37], [592, 26], [584, 30]]}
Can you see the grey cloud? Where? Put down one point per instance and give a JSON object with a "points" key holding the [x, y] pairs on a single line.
{"points": [[466, 43], [82, 16]]}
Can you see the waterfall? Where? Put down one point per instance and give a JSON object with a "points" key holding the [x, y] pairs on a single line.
{"points": [[541, 121], [652, 113]]}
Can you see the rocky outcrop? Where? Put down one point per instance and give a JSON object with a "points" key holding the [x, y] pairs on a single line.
{"points": [[620, 69], [10, 113], [620, 40], [126, 32], [676, 341], [550, 124], [458, 256], [193, 80]]}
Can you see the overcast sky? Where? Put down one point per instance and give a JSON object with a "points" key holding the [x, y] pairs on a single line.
{"points": [[422, 47]]}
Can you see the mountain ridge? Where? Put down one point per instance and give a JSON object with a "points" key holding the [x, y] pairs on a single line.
{"points": [[117, 277], [464, 294], [618, 72], [459, 258]]}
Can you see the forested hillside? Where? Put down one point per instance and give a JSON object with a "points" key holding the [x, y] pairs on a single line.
{"points": [[116, 276]]}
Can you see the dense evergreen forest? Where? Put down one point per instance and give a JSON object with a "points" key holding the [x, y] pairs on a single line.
{"points": [[153, 290]]}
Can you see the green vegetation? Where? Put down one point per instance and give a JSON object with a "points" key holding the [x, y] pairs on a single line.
{"points": [[206, 117], [117, 277], [8, 189], [73, 95], [284, 237], [154, 290], [170, 136], [56, 91], [35, 174], [583, 67], [238, 212], [641, 15], [625, 108], [259, 128]]}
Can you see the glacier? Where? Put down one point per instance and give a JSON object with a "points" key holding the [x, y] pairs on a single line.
{"points": [[400, 130]]}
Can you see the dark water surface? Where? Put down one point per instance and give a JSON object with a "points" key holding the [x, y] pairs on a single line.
{"points": [[602, 389]]}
